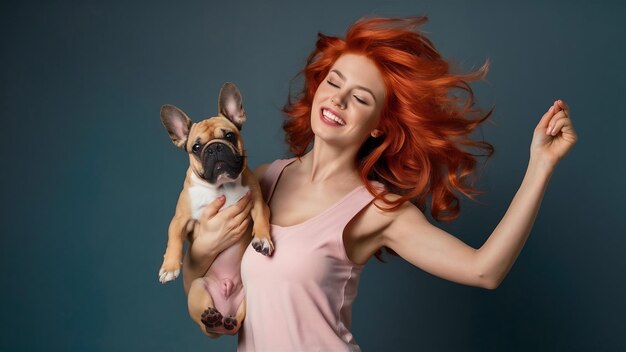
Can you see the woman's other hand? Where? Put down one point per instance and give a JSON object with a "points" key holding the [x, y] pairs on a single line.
{"points": [[554, 136]]}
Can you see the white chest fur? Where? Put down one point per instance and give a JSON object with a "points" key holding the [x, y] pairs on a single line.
{"points": [[202, 194]]}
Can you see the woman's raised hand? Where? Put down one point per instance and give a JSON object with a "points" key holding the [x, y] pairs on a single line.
{"points": [[554, 136]]}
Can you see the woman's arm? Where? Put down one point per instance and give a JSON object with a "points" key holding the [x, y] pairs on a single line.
{"points": [[436, 251]]}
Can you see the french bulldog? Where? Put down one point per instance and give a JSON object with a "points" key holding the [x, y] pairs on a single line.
{"points": [[217, 166]]}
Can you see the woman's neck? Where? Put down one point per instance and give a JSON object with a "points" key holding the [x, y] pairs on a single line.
{"points": [[326, 163]]}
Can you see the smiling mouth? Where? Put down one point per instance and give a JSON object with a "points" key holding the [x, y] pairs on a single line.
{"points": [[331, 117]]}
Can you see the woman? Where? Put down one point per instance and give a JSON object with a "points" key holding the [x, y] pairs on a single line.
{"points": [[374, 131]]}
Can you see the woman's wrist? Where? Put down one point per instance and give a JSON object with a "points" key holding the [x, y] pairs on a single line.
{"points": [[541, 166], [200, 253]]}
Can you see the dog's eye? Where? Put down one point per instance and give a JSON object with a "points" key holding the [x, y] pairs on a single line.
{"points": [[230, 136], [196, 147]]}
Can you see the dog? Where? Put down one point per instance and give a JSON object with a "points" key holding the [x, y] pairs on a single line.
{"points": [[217, 166]]}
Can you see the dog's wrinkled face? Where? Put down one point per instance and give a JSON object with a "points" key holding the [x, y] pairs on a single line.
{"points": [[214, 145], [216, 150]]}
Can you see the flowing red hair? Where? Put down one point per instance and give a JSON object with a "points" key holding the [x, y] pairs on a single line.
{"points": [[426, 125]]}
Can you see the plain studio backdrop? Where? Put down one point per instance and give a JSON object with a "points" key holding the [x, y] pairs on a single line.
{"points": [[90, 178]]}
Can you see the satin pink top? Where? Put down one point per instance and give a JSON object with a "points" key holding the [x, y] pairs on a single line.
{"points": [[300, 299]]}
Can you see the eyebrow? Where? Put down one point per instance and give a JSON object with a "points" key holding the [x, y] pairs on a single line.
{"points": [[358, 87]]}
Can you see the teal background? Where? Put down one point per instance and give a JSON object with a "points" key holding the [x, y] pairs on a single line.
{"points": [[90, 178]]}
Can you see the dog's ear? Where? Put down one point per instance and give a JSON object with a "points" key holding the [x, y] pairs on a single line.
{"points": [[230, 104], [176, 123]]}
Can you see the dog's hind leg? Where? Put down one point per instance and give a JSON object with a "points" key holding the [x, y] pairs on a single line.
{"points": [[202, 309], [237, 320]]}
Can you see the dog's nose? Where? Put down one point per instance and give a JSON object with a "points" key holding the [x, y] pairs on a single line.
{"points": [[215, 148]]}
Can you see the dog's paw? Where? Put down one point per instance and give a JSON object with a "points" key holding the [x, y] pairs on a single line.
{"points": [[263, 246], [211, 318], [230, 323], [167, 276]]}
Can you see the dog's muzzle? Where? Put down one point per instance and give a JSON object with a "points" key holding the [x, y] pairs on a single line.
{"points": [[221, 160]]}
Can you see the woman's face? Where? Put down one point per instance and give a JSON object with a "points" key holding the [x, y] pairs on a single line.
{"points": [[348, 103]]}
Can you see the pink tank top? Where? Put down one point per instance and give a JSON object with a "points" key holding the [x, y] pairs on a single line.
{"points": [[300, 299]]}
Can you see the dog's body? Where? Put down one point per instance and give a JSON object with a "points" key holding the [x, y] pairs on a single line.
{"points": [[217, 167]]}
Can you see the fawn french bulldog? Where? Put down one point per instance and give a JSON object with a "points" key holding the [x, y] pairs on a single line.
{"points": [[217, 166]]}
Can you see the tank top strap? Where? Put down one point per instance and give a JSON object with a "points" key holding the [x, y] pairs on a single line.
{"points": [[270, 178], [334, 221], [346, 209]]}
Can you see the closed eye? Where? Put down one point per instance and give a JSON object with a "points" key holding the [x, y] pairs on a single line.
{"points": [[360, 100], [332, 84]]}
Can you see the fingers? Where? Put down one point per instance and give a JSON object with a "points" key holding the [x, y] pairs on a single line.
{"points": [[240, 230], [556, 126], [244, 200], [212, 209], [559, 120], [557, 111], [229, 218], [559, 105], [242, 205], [239, 217], [563, 105]]}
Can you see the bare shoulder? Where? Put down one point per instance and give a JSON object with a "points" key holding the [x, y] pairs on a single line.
{"points": [[376, 219], [370, 228], [406, 207], [260, 170], [385, 221], [407, 220]]}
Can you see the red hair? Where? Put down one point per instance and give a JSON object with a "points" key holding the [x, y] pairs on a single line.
{"points": [[425, 125]]}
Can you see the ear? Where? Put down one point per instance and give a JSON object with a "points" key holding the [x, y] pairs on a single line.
{"points": [[376, 133], [230, 104], [176, 123]]}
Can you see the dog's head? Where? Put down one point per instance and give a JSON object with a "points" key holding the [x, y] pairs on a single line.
{"points": [[214, 144]]}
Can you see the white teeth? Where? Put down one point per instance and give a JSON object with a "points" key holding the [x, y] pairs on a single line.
{"points": [[329, 115]]}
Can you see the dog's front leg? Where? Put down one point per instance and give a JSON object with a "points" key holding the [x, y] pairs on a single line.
{"points": [[260, 212], [262, 241], [172, 259]]}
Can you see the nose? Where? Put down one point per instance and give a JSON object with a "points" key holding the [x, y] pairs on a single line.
{"points": [[338, 100], [214, 148]]}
